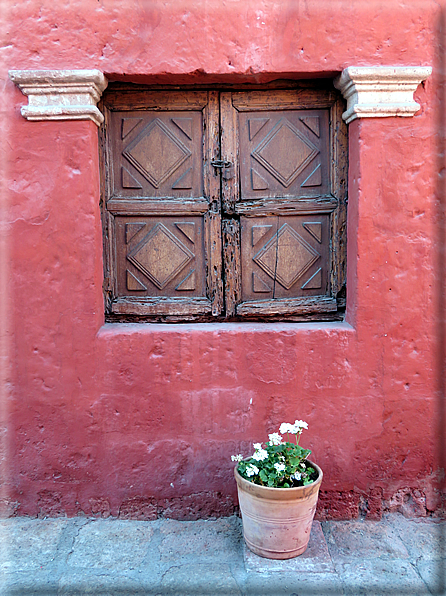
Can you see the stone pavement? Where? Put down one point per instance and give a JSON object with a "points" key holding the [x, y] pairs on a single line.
{"points": [[168, 557]]}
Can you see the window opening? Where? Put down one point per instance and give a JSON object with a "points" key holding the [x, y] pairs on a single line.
{"points": [[224, 204]]}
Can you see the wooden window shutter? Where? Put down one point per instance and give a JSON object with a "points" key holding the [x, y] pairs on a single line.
{"points": [[286, 199], [224, 204], [163, 204]]}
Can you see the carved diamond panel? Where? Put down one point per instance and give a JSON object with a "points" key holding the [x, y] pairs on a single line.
{"points": [[133, 283], [285, 152], [282, 153], [156, 153], [286, 256], [160, 256]]}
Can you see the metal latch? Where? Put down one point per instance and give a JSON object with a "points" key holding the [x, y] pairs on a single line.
{"points": [[225, 166]]}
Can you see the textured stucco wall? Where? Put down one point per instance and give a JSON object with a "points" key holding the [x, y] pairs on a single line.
{"points": [[136, 419]]}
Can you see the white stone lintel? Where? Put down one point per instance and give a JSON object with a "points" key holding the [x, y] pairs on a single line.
{"points": [[61, 94], [380, 91]]}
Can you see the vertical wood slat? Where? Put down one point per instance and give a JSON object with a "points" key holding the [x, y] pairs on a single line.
{"points": [[229, 150], [109, 259], [213, 231], [214, 261], [232, 265], [339, 185]]}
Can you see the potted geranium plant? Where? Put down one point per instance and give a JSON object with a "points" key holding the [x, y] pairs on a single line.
{"points": [[278, 492]]}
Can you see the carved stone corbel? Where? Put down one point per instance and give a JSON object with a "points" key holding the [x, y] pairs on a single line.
{"points": [[61, 94], [380, 91]]}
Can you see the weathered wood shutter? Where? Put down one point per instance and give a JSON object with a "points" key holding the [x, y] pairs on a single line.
{"points": [[163, 207], [282, 201], [224, 204]]}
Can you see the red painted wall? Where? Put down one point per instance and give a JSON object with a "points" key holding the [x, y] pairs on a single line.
{"points": [[134, 420]]}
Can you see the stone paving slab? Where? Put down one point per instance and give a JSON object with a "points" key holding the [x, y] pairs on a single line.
{"points": [[29, 544], [103, 557], [24, 583], [361, 539], [116, 584], [433, 574], [423, 538], [199, 579], [111, 544], [377, 577], [315, 559], [219, 539], [292, 584]]}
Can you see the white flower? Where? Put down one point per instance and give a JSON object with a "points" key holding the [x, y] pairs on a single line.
{"points": [[275, 439], [297, 476], [293, 429], [285, 428], [251, 470], [260, 455], [257, 446], [236, 457], [280, 468], [300, 424]]}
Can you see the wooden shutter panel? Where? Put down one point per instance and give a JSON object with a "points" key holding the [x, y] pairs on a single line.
{"points": [[163, 204], [282, 200]]}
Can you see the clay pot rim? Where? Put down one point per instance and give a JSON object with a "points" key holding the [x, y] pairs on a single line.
{"points": [[273, 490]]}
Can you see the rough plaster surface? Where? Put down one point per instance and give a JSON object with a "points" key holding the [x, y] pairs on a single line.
{"points": [[134, 420]]}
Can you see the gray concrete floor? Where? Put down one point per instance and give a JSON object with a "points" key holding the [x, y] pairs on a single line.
{"points": [[167, 557]]}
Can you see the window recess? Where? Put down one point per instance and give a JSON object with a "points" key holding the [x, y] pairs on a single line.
{"points": [[224, 204]]}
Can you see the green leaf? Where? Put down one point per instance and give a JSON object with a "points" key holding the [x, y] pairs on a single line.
{"points": [[294, 461], [263, 475]]}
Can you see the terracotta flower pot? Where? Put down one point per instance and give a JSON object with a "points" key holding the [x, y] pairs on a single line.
{"points": [[277, 521]]}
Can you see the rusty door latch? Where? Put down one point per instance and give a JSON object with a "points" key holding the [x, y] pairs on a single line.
{"points": [[226, 167]]}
